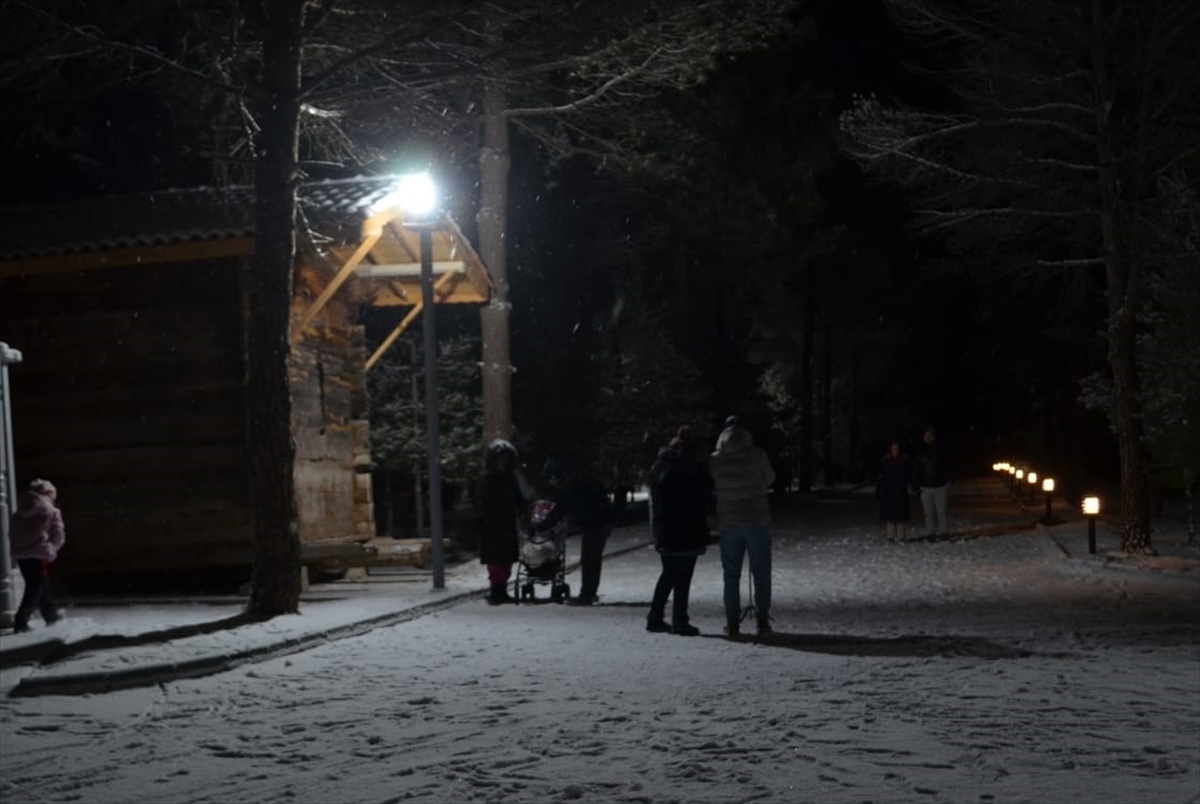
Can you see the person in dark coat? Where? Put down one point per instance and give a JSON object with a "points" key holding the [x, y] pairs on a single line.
{"points": [[503, 505], [681, 489], [891, 489], [931, 476], [583, 500], [36, 535]]}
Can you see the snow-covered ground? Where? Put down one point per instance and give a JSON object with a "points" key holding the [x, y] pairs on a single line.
{"points": [[989, 670]]}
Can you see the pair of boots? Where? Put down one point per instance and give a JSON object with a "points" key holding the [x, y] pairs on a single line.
{"points": [[499, 594], [21, 621]]}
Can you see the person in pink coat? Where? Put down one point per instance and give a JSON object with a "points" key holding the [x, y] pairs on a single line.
{"points": [[36, 536]]}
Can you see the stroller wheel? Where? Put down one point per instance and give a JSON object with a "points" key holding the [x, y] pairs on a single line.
{"points": [[556, 595]]}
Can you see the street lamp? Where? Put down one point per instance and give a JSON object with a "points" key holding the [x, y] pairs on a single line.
{"points": [[417, 197], [1048, 487], [1032, 478], [1091, 509], [8, 483]]}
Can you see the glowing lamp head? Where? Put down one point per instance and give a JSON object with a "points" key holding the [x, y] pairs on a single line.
{"points": [[1048, 485], [1020, 474], [1091, 506], [1032, 478], [417, 194]]}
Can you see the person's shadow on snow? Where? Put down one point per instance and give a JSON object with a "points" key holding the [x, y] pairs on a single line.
{"points": [[910, 646]]}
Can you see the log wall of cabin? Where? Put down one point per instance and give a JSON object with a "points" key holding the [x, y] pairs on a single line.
{"points": [[332, 470], [131, 400]]}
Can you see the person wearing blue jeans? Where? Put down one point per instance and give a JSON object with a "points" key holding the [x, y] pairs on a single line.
{"points": [[742, 476], [738, 542]]}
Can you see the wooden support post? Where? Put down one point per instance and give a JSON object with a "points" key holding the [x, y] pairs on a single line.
{"points": [[344, 273], [406, 321]]}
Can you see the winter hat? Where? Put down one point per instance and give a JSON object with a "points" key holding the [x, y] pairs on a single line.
{"points": [[43, 487], [683, 439]]}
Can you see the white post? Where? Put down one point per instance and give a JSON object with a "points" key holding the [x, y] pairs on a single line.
{"points": [[8, 485]]}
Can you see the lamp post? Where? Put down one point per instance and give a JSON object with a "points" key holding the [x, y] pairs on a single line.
{"points": [[418, 199], [1019, 480], [8, 484], [1091, 509], [1032, 478], [1048, 487]]}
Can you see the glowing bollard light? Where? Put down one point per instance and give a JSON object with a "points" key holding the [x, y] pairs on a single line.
{"points": [[1091, 509], [1032, 478], [1048, 487]]}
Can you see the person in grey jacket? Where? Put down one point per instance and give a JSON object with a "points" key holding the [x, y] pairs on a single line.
{"points": [[742, 476], [35, 537]]}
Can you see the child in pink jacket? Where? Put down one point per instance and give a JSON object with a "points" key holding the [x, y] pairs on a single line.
{"points": [[36, 536]]}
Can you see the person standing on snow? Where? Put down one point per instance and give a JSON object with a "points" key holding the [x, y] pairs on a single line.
{"points": [[503, 505], [36, 536], [742, 475], [584, 500], [931, 476], [891, 489], [680, 490]]}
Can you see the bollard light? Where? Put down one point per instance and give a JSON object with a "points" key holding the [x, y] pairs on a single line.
{"points": [[1032, 478], [1048, 487], [1091, 509]]}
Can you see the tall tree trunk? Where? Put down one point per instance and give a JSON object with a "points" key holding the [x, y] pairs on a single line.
{"points": [[855, 447], [492, 219], [1123, 285], [275, 588], [806, 383], [827, 404]]}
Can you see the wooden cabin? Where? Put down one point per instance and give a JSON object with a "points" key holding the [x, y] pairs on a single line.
{"points": [[131, 313]]}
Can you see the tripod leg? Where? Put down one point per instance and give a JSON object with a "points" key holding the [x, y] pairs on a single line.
{"points": [[749, 609]]}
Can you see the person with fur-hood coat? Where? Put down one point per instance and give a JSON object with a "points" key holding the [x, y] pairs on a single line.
{"points": [[742, 475], [36, 536]]}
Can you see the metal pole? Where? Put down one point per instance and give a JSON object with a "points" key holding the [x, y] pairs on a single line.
{"points": [[1049, 497], [8, 485], [432, 437], [1092, 534]]}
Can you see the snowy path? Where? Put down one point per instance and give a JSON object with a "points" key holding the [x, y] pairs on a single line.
{"points": [[989, 670]]}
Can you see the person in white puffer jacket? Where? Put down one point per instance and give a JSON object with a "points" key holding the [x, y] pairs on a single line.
{"points": [[742, 476]]}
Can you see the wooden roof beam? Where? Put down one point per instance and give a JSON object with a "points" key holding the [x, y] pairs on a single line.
{"points": [[406, 321], [338, 280], [407, 269]]}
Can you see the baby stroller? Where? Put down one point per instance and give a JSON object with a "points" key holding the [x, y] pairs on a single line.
{"points": [[543, 558]]}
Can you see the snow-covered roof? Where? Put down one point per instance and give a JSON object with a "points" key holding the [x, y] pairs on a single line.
{"points": [[169, 217]]}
